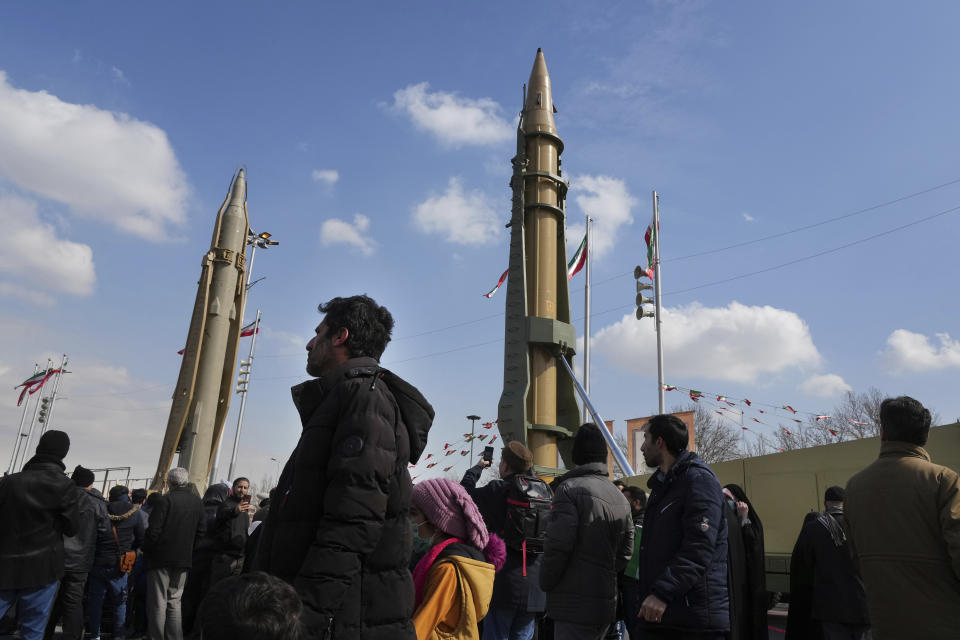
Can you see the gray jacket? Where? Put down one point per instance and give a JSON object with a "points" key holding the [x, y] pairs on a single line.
{"points": [[589, 541]]}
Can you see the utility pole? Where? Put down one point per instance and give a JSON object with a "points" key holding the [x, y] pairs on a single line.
{"points": [[53, 396], [242, 383], [586, 320], [473, 423], [659, 316], [20, 434]]}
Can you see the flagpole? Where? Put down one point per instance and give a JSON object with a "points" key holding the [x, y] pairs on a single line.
{"points": [[20, 434], [243, 396], [586, 320], [33, 421], [656, 250], [53, 397]]}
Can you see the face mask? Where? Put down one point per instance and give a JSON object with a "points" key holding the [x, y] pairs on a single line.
{"points": [[420, 545]]}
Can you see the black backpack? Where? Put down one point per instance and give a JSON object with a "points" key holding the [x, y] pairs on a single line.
{"points": [[529, 500]]}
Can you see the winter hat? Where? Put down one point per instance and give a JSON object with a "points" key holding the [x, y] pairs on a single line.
{"points": [[450, 508], [118, 493], [54, 443], [517, 456], [589, 445], [834, 494], [82, 477]]}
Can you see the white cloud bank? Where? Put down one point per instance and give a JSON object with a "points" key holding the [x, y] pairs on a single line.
{"points": [[825, 386], [735, 343], [104, 165], [608, 202], [33, 257], [335, 231], [460, 217], [451, 119], [326, 177], [907, 351]]}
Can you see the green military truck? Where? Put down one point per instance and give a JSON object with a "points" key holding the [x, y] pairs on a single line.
{"points": [[784, 487]]}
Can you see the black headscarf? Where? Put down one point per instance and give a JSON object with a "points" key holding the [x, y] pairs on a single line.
{"points": [[755, 626]]}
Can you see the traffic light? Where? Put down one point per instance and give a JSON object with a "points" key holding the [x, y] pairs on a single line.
{"points": [[244, 377], [44, 409], [642, 299]]}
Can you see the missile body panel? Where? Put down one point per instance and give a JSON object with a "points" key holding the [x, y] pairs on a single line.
{"points": [[538, 405], [202, 396]]}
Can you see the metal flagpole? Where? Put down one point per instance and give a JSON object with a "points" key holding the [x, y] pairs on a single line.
{"points": [[243, 396], [20, 434], [33, 420], [586, 321], [53, 397], [656, 262]]}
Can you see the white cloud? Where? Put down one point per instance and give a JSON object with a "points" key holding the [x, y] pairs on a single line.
{"points": [[747, 217], [104, 165], [335, 231], [33, 255], [119, 77], [326, 177], [461, 218], [825, 386], [735, 343], [907, 351], [453, 120], [608, 202]]}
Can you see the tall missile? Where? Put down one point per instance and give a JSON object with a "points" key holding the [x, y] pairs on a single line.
{"points": [[202, 395], [538, 404]]}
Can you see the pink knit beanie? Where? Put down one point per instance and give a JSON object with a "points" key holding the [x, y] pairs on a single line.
{"points": [[450, 508]]}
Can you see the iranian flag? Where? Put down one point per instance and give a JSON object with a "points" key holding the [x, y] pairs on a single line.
{"points": [[34, 383], [249, 330], [503, 277], [819, 418], [650, 237], [578, 260], [695, 395], [669, 387]]}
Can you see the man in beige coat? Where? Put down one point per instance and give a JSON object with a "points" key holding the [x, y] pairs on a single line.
{"points": [[903, 512]]}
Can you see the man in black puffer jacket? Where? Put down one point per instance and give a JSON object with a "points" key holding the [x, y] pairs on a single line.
{"points": [[338, 529], [78, 554], [589, 541], [683, 554], [40, 507]]}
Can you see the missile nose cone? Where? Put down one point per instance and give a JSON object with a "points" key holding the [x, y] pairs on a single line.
{"points": [[538, 111], [238, 191]]}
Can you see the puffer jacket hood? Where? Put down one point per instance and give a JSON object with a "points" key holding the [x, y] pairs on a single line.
{"points": [[120, 511]]}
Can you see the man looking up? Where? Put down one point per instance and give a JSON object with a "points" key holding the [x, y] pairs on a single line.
{"points": [[338, 529], [683, 554], [903, 512]]}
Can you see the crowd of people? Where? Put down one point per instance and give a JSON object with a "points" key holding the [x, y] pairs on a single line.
{"points": [[346, 547]]}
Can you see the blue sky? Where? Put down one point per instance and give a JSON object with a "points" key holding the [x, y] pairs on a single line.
{"points": [[377, 140]]}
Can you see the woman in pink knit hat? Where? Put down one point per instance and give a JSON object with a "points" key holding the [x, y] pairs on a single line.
{"points": [[454, 580]]}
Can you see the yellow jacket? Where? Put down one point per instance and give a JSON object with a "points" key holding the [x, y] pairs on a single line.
{"points": [[456, 597]]}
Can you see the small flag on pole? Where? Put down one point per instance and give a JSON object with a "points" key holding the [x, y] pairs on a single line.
{"points": [[503, 276], [249, 330], [578, 260], [669, 387]]}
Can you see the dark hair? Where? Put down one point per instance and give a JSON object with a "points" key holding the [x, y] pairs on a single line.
{"points": [[672, 429], [368, 324], [620, 484], [239, 480], [153, 499], [117, 492], [636, 493], [138, 496], [251, 606], [905, 419]]}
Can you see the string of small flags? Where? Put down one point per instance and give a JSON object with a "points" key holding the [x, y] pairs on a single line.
{"points": [[433, 459]]}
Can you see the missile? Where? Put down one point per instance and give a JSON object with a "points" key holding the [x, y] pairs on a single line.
{"points": [[538, 405], [201, 398]]}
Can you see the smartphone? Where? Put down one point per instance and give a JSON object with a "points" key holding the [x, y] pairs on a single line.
{"points": [[488, 453], [245, 499]]}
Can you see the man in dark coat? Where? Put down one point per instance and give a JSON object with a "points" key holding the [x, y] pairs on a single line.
{"points": [[78, 554], [231, 530], [40, 507], [683, 554], [509, 617], [338, 528], [176, 524], [589, 541], [124, 532], [827, 598]]}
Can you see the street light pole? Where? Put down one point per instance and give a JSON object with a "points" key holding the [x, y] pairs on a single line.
{"points": [[473, 424]]}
